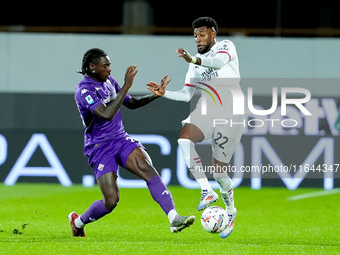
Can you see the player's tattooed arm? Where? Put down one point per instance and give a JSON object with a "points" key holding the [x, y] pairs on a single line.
{"points": [[109, 111]]}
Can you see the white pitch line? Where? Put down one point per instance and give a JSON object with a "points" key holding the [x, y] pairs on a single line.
{"points": [[314, 194]]}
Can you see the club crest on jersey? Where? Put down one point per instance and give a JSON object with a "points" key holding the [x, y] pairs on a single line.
{"points": [[100, 167]]}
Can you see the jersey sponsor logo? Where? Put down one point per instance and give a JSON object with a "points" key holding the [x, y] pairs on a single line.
{"points": [[105, 94], [209, 74], [113, 95], [106, 100], [89, 99]]}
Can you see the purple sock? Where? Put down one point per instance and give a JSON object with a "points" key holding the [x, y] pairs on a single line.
{"points": [[161, 194], [96, 210]]}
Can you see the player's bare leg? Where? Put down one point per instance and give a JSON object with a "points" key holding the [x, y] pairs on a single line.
{"points": [[98, 209], [189, 136], [227, 193], [139, 163]]}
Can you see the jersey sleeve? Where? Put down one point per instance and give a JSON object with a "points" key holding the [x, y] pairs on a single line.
{"points": [[186, 93], [226, 47], [225, 52], [86, 98]]}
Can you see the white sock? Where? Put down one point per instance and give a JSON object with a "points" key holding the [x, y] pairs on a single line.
{"points": [[171, 215], [193, 162], [79, 223], [227, 191], [204, 183]]}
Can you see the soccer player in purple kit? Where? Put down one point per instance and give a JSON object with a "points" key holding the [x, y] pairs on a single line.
{"points": [[107, 145]]}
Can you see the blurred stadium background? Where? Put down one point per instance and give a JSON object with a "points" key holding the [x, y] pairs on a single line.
{"points": [[279, 43]]}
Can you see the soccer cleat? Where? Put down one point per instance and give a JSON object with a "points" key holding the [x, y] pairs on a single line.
{"points": [[181, 222], [208, 197], [225, 233], [75, 231]]}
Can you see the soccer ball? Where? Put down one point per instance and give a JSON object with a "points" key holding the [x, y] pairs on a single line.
{"points": [[214, 219]]}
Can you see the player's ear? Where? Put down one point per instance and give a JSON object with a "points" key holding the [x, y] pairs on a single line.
{"points": [[92, 66], [214, 34]]}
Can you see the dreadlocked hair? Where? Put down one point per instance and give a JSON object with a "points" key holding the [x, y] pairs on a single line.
{"points": [[205, 22], [91, 56]]}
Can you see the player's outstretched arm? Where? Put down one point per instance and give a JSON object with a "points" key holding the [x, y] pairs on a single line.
{"points": [[134, 103], [159, 89], [185, 94], [109, 111]]}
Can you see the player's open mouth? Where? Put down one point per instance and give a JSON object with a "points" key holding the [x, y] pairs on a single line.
{"points": [[200, 47]]}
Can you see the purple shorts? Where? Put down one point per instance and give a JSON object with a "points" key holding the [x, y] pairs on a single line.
{"points": [[107, 156]]}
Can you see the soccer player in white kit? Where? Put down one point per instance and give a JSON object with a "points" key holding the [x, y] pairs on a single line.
{"points": [[215, 60]]}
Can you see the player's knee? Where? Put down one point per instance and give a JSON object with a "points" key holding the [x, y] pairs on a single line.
{"points": [[184, 136], [191, 132], [185, 132]]}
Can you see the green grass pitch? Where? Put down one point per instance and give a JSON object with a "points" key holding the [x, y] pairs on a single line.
{"points": [[267, 223]]}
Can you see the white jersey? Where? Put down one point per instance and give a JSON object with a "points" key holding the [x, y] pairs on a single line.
{"points": [[205, 74], [219, 69]]}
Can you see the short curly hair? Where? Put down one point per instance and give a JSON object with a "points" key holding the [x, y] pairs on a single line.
{"points": [[205, 22]]}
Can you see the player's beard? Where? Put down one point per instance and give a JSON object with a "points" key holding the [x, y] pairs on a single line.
{"points": [[101, 77], [204, 50]]}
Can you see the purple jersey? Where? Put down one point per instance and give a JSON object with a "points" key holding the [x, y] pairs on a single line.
{"points": [[88, 95]]}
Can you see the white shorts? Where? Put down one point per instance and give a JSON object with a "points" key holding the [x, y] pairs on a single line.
{"points": [[225, 134]]}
